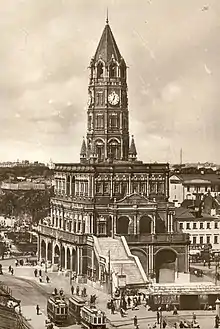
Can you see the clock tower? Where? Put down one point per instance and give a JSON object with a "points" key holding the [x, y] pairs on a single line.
{"points": [[108, 128]]}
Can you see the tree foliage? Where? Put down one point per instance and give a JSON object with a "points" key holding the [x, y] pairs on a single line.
{"points": [[32, 203]]}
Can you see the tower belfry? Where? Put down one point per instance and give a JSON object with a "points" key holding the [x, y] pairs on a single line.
{"points": [[107, 129]]}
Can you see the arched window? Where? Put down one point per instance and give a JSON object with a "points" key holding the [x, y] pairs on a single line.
{"points": [[68, 185], [100, 70], [123, 71], [114, 150], [113, 70], [73, 186], [99, 148]]}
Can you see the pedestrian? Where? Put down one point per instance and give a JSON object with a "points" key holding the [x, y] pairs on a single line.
{"points": [[112, 307], [55, 291], [164, 324], [40, 278], [194, 317], [175, 310], [35, 272], [135, 321], [129, 301], [216, 321], [9, 269], [40, 273], [12, 271], [16, 263], [72, 290], [77, 290], [158, 317], [121, 312], [38, 309], [61, 292], [47, 279]]}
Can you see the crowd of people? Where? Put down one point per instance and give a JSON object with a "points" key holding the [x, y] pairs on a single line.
{"points": [[38, 273]]}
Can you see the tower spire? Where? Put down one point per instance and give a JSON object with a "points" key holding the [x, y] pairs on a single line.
{"points": [[107, 16]]}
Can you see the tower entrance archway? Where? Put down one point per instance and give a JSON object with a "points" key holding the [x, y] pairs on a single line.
{"points": [[43, 249], [62, 261], [142, 257], [49, 251], [68, 258], [74, 261], [165, 265], [56, 254]]}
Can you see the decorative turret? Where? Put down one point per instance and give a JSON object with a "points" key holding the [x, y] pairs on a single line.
{"points": [[132, 150], [83, 152]]}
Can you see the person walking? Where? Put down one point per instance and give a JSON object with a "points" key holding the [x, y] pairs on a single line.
{"points": [[158, 317], [12, 271], [112, 307], [40, 273], [72, 290], [35, 272], [38, 309], [47, 279], [9, 269], [129, 301], [135, 321]]}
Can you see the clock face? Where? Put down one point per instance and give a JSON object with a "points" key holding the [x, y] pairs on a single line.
{"points": [[113, 98]]}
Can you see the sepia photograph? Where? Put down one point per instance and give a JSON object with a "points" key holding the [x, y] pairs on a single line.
{"points": [[109, 164]]}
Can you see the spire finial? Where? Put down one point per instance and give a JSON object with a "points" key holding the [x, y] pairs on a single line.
{"points": [[107, 16]]}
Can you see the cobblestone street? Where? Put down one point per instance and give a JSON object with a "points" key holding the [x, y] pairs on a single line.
{"points": [[28, 288]]}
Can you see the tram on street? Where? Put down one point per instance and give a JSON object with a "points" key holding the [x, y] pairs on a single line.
{"points": [[75, 305], [92, 318], [57, 309]]}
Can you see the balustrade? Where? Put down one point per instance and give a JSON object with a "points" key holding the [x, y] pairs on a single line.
{"points": [[63, 235]]}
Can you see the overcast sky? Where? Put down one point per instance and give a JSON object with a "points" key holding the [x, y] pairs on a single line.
{"points": [[172, 49]]}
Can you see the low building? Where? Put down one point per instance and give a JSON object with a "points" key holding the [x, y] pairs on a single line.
{"points": [[23, 186], [190, 186], [202, 228]]}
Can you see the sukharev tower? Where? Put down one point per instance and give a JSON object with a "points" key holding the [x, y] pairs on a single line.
{"points": [[110, 216]]}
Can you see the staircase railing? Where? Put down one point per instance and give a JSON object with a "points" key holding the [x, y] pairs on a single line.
{"points": [[135, 258], [98, 252]]}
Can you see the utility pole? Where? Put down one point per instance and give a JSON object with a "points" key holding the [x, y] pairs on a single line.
{"points": [[181, 156], [109, 272]]}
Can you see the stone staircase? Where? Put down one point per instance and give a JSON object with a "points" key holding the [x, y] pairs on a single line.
{"points": [[122, 261]]}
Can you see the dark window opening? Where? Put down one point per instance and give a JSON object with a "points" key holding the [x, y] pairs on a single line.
{"points": [[100, 71]]}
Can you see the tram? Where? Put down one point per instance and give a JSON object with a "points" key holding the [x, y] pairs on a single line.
{"points": [[75, 305], [57, 309], [92, 318]]}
